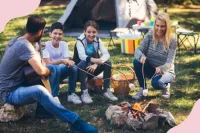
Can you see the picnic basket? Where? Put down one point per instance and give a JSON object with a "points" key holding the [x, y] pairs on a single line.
{"points": [[121, 84]]}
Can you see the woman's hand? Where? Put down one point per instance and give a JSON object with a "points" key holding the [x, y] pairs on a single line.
{"points": [[92, 68], [158, 71], [142, 59]]}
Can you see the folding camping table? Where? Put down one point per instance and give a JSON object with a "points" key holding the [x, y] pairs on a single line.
{"points": [[183, 36]]}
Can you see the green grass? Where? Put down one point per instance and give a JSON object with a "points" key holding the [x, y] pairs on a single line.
{"points": [[184, 89]]}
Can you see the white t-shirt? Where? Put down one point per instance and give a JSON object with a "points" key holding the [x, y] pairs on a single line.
{"points": [[56, 53]]}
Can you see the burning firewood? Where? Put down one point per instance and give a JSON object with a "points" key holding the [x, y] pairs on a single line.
{"points": [[139, 116]]}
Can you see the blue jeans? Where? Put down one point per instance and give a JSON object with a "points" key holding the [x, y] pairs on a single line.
{"points": [[60, 72], [37, 93], [158, 82]]}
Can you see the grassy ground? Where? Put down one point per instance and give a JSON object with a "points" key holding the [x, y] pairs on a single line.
{"points": [[184, 89]]}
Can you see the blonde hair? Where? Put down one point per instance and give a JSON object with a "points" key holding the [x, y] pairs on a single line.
{"points": [[167, 38]]}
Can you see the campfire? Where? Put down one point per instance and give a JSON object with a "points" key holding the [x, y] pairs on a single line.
{"points": [[139, 115], [137, 111]]}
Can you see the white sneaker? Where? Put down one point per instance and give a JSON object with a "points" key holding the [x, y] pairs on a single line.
{"points": [[85, 97], [139, 94], [57, 99], [74, 99], [166, 92], [110, 96]]}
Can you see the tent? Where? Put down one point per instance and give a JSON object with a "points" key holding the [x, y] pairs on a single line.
{"points": [[107, 13]]}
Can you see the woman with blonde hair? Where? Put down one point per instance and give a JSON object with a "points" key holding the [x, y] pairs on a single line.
{"points": [[154, 58]]}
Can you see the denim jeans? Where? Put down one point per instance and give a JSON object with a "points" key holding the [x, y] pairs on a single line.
{"points": [[158, 81], [84, 76], [60, 72], [37, 93]]}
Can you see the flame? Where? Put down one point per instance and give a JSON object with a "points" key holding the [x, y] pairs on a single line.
{"points": [[137, 106]]}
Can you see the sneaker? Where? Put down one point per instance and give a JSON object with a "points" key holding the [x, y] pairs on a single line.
{"points": [[109, 95], [57, 99], [85, 97], [81, 126], [139, 94], [74, 99], [166, 92]]}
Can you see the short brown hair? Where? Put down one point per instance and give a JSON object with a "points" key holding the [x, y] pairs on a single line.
{"points": [[57, 25], [91, 23], [34, 24]]}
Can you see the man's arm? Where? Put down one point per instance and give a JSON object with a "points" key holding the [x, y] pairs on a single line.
{"points": [[38, 67]]}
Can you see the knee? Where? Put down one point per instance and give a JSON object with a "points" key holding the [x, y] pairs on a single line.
{"points": [[107, 65], [50, 67], [74, 69], [156, 84], [41, 90], [108, 62], [53, 68], [82, 64], [57, 68]]}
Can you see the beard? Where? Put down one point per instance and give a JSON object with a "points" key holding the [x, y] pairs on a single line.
{"points": [[38, 38]]}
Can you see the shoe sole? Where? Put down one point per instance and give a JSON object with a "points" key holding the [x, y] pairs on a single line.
{"points": [[110, 99], [73, 102], [88, 102], [164, 97]]}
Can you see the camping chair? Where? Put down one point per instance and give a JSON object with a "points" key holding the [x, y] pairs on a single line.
{"points": [[183, 36]]}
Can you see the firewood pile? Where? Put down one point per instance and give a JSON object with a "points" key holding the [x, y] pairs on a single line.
{"points": [[139, 115]]}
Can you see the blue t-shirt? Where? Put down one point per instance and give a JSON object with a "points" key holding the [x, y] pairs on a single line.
{"points": [[89, 50]]}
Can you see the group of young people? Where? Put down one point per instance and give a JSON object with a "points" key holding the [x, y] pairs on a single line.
{"points": [[86, 60], [154, 58]]}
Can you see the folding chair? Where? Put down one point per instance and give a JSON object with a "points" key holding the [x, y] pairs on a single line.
{"points": [[183, 36]]}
